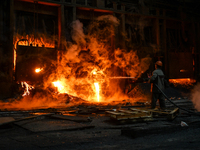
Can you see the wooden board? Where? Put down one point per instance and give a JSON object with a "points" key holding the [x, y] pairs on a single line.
{"points": [[4, 120], [144, 114], [170, 114], [129, 114]]}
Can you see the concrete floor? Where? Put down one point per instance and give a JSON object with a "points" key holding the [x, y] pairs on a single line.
{"points": [[100, 132]]}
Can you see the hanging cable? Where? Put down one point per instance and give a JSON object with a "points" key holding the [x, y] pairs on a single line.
{"points": [[192, 112]]}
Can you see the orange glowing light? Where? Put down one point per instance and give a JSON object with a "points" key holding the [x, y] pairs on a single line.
{"points": [[41, 41], [183, 70], [38, 70], [97, 90], [182, 81], [30, 39], [60, 86], [15, 56], [27, 88]]}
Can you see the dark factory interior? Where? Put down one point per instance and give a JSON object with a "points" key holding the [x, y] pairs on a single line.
{"points": [[90, 64], [37, 33]]}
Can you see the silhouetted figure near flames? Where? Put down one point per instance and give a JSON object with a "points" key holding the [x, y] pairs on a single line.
{"points": [[157, 79]]}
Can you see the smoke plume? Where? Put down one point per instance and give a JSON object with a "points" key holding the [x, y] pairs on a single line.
{"points": [[196, 97], [90, 58]]}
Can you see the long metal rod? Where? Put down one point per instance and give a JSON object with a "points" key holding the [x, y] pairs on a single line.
{"points": [[122, 77]]}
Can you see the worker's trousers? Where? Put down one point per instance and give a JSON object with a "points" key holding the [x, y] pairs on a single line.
{"points": [[160, 97]]}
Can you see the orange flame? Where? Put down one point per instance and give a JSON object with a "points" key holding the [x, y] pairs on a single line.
{"points": [[82, 73], [37, 70], [97, 90], [88, 88], [60, 86], [30, 39]]}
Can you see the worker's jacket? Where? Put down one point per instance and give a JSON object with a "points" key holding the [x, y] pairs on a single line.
{"points": [[157, 78]]}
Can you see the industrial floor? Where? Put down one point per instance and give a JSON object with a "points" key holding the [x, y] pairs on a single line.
{"points": [[54, 129], [98, 131]]}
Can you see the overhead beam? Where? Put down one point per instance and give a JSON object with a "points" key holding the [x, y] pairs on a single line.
{"points": [[29, 7]]}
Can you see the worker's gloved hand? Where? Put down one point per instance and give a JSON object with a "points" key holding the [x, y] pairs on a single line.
{"points": [[149, 75]]}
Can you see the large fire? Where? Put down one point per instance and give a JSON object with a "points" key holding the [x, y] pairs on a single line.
{"points": [[88, 87], [60, 87], [97, 90], [85, 67]]}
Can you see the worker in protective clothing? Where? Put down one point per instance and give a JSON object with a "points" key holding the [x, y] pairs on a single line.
{"points": [[157, 78]]}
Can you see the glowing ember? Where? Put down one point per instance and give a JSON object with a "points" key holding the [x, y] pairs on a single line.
{"points": [[60, 86], [15, 56], [183, 70], [27, 88], [38, 70], [182, 81], [97, 90], [30, 39]]}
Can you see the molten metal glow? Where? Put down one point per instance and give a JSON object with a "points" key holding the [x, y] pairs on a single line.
{"points": [[27, 88], [60, 86], [97, 90], [182, 81], [38, 70], [40, 41], [15, 56], [183, 70], [30, 39]]}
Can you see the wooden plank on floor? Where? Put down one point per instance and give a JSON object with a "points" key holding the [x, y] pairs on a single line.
{"points": [[4, 120], [27, 118], [129, 114], [71, 118]]}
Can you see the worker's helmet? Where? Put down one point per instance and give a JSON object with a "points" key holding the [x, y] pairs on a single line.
{"points": [[159, 63]]}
